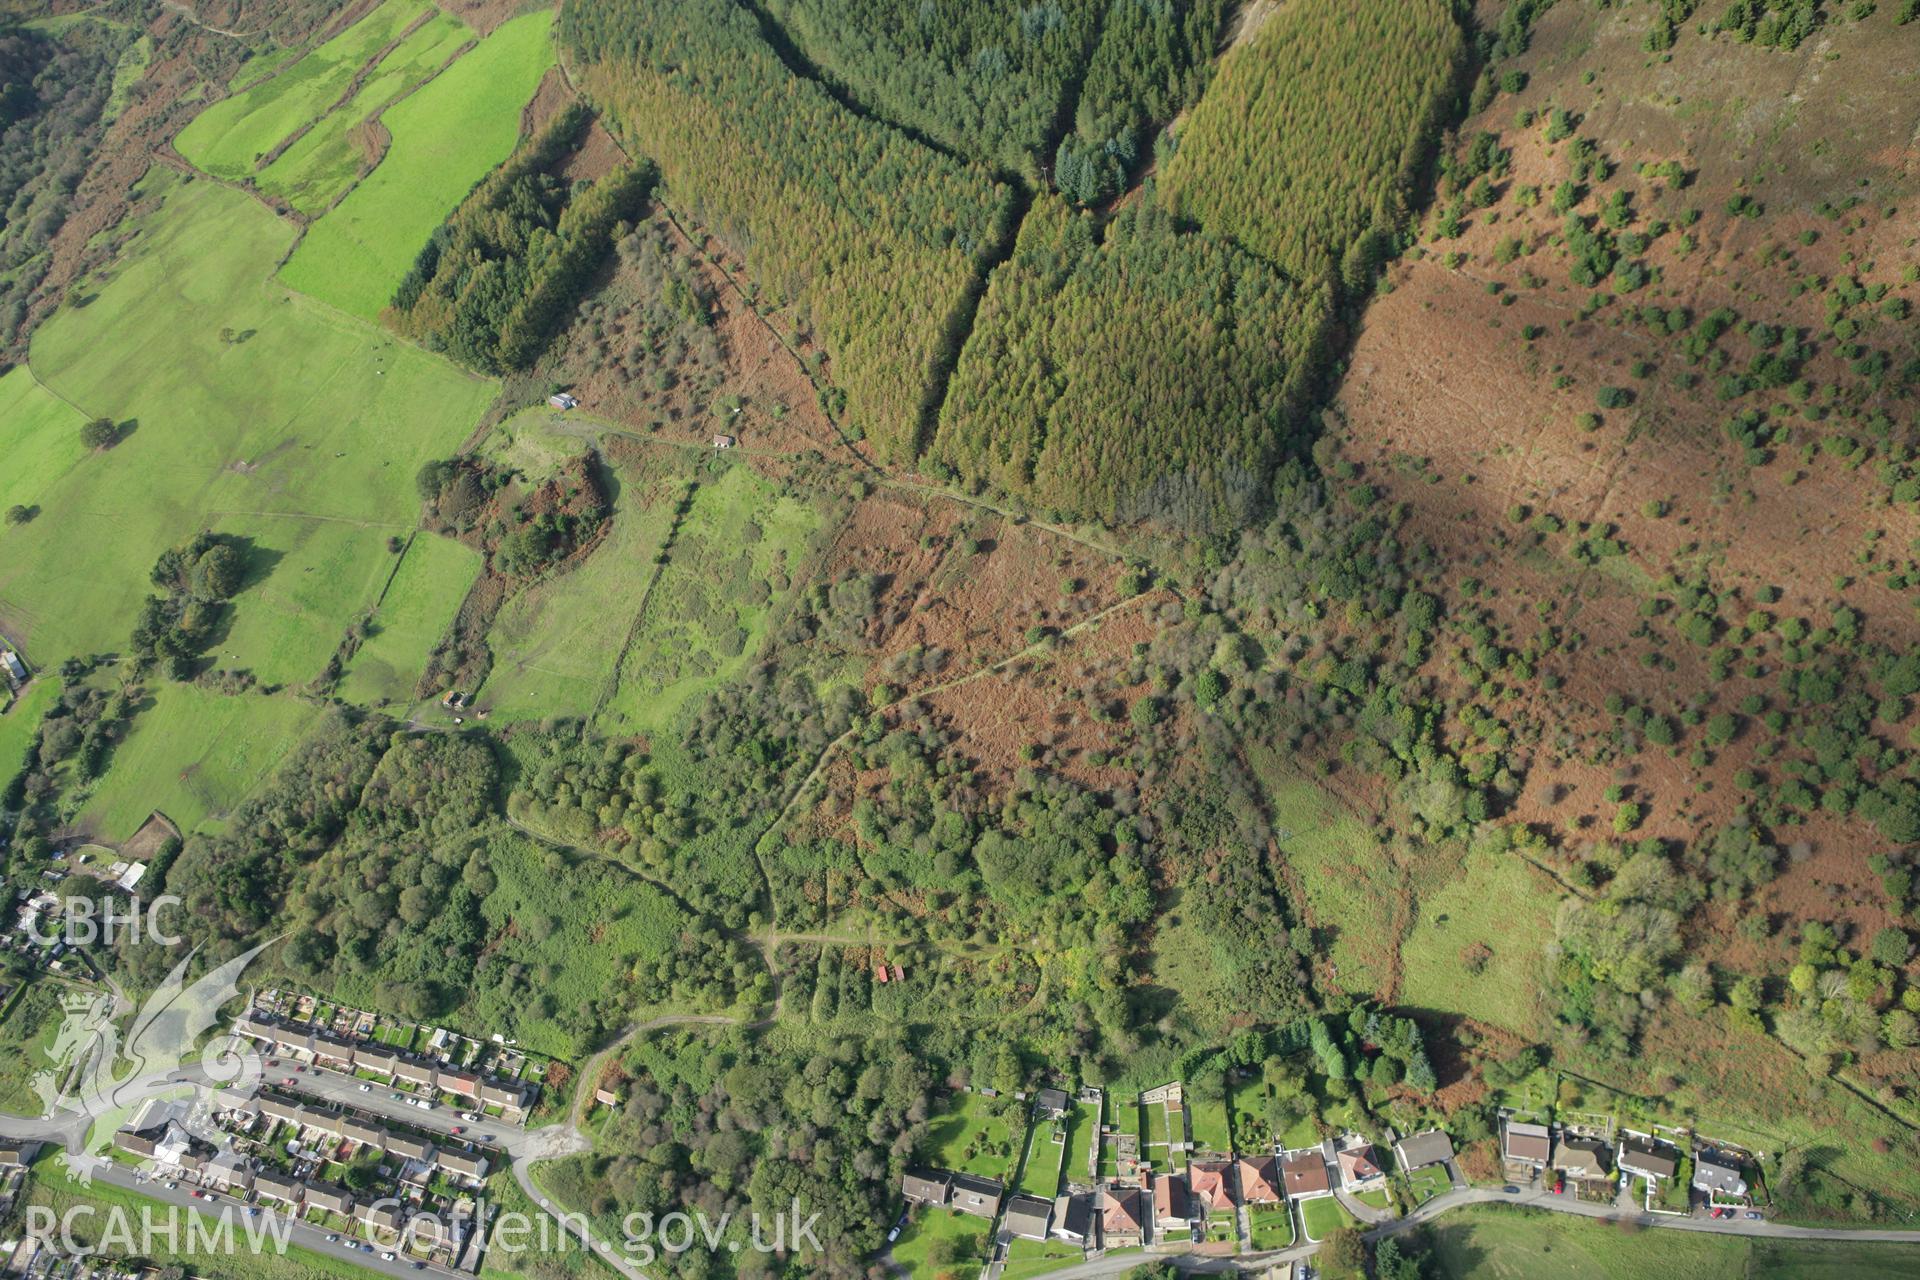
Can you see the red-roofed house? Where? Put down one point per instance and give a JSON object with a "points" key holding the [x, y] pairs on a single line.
{"points": [[1120, 1216], [879, 973], [1258, 1185], [1358, 1169], [1210, 1185], [1171, 1211]]}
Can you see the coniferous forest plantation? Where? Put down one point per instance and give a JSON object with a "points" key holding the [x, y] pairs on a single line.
{"points": [[1082, 637]]}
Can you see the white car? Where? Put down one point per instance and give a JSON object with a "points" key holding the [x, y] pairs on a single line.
{"points": [[366, 1088], [386, 1257], [471, 1117], [423, 1104]]}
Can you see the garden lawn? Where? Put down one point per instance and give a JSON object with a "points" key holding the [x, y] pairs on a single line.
{"points": [[1500, 1243], [968, 1138], [241, 404], [927, 1226], [1270, 1227], [1496, 901], [415, 610], [446, 138], [193, 755], [735, 560], [1040, 1175], [1208, 1121], [555, 642], [1037, 1257], [230, 137], [313, 172], [1083, 1132], [1323, 1216], [1425, 1184]]}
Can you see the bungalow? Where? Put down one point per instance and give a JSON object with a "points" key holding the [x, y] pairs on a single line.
{"points": [[462, 1164], [1718, 1173], [269, 1185], [1525, 1146], [410, 1072], [1028, 1217], [562, 401], [328, 1196], [408, 1147], [377, 1060], [933, 1187], [1259, 1183], [1644, 1158], [724, 442], [1305, 1174], [279, 1112], [976, 1195], [1050, 1103], [382, 1215], [1210, 1187], [332, 1050], [511, 1094], [1073, 1217], [1120, 1216], [320, 1120], [1172, 1209], [606, 1097], [15, 1154], [16, 670], [1358, 1168], [228, 1171], [1582, 1159], [139, 1144], [464, 1083], [367, 1135], [1418, 1150]]}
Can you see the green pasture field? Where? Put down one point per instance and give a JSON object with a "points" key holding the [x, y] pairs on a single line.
{"points": [[968, 1125], [317, 575], [240, 402], [230, 137], [1511, 1244], [42, 435], [21, 718], [1348, 879], [433, 578], [446, 138], [1499, 901], [738, 553], [554, 643], [193, 755], [316, 170]]}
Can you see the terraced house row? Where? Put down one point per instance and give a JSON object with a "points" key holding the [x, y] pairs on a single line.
{"points": [[305, 1043]]}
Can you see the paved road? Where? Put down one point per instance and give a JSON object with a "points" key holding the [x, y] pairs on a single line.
{"points": [[1450, 1200], [300, 1233]]}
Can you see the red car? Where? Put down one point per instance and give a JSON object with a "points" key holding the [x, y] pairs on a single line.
{"points": [[459, 1128], [288, 1080], [299, 1068], [273, 1062], [199, 1194], [1559, 1186]]}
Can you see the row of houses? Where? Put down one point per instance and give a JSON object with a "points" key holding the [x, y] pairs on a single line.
{"points": [[461, 1166], [307, 1043], [1528, 1149]]}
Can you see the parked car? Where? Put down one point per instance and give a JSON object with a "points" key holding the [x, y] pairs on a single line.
{"points": [[1560, 1186], [333, 1239], [298, 1067], [172, 1185], [287, 1081], [198, 1194], [459, 1128], [398, 1097], [273, 1062], [387, 1256], [366, 1088], [471, 1117], [1753, 1215], [423, 1104], [419, 1265], [1510, 1190], [895, 1234]]}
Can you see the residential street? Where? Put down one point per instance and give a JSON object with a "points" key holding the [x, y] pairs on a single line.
{"points": [[300, 1233]]}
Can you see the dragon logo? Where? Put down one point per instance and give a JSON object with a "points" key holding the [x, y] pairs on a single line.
{"points": [[97, 1082]]}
